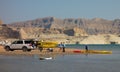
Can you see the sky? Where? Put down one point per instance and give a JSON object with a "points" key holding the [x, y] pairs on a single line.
{"points": [[23, 10]]}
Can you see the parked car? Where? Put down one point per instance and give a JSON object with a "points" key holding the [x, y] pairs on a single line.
{"points": [[25, 45]]}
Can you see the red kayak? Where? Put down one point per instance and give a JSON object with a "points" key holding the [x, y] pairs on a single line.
{"points": [[77, 51]]}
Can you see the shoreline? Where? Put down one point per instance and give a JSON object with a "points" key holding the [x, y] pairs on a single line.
{"points": [[56, 51]]}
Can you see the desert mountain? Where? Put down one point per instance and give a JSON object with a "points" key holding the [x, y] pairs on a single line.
{"points": [[90, 26], [69, 30]]}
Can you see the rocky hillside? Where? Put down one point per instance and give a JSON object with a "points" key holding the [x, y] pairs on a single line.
{"points": [[6, 32], [90, 26], [51, 27], [36, 32]]}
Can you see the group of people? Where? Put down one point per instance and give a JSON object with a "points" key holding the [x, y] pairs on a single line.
{"points": [[62, 46]]}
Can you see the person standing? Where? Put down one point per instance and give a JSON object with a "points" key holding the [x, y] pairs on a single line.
{"points": [[63, 45], [60, 46], [86, 48]]}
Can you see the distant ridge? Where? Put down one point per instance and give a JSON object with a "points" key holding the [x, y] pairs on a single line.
{"points": [[91, 26]]}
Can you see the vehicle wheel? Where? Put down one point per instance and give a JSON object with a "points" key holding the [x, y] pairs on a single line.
{"points": [[7, 48], [24, 49]]}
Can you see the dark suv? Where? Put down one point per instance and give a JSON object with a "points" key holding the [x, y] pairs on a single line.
{"points": [[25, 45]]}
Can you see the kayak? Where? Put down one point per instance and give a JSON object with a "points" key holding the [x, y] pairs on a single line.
{"points": [[93, 51]]}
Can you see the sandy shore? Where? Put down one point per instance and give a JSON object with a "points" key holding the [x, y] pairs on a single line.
{"points": [[56, 51]]}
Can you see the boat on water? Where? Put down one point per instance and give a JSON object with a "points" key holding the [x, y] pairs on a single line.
{"points": [[45, 58], [93, 51]]}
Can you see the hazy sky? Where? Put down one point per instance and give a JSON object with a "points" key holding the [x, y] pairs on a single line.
{"points": [[22, 10]]}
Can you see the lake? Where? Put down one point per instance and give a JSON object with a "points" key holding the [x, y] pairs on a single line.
{"points": [[65, 63]]}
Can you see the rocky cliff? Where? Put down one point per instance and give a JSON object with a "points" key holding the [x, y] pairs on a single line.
{"points": [[70, 30], [90, 26], [6, 32]]}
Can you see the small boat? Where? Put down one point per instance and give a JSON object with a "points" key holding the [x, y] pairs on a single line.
{"points": [[93, 51], [47, 44], [45, 58]]}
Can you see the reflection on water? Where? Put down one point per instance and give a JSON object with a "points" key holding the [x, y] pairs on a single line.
{"points": [[63, 63]]}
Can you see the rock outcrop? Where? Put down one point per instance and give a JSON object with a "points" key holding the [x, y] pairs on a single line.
{"points": [[56, 33], [75, 32], [6, 32]]}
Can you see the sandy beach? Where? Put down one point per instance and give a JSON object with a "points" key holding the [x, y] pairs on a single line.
{"points": [[56, 51]]}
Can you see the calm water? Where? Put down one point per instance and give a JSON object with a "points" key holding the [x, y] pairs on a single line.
{"points": [[65, 63]]}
